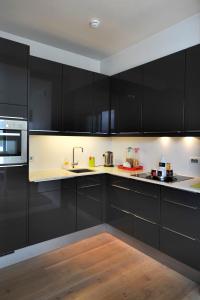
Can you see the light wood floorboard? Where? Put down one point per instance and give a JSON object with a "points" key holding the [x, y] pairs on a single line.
{"points": [[97, 268]]}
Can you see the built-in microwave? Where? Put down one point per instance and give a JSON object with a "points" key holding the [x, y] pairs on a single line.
{"points": [[13, 141]]}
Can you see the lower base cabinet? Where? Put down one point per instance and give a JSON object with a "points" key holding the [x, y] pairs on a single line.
{"points": [[182, 248], [52, 210], [146, 231], [121, 220], [90, 198]]}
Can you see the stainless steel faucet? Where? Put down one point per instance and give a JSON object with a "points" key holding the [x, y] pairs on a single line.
{"points": [[73, 156]]}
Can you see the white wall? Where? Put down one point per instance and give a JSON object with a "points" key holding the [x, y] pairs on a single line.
{"points": [[178, 37], [175, 150], [55, 54], [49, 152]]}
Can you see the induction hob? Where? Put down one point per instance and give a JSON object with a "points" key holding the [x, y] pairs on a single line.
{"points": [[175, 178]]}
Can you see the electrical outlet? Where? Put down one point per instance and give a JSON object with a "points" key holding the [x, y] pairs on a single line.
{"points": [[30, 158], [195, 160]]}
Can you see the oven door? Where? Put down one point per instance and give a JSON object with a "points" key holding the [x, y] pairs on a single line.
{"points": [[13, 146]]}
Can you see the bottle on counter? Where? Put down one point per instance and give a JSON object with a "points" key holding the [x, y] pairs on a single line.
{"points": [[91, 161]]}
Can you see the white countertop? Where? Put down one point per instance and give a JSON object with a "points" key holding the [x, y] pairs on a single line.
{"points": [[56, 174]]}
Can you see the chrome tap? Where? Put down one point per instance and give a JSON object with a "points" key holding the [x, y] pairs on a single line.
{"points": [[73, 156]]}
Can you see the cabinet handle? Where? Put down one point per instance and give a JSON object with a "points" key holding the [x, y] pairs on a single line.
{"points": [[9, 134], [151, 222], [180, 204], [11, 166], [123, 210], [129, 132], [38, 130], [88, 186], [98, 132], [8, 117], [121, 187], [181, 234]]}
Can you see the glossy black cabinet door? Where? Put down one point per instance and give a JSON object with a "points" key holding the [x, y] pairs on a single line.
{"points": [[126, 101], [192, 104], [101, 105], [13, 78], [90, 193], [163, 105], [13, 208], [180, 247], [77, 107], [121, 220], [146, 231], [45, 95], [51, 210]]}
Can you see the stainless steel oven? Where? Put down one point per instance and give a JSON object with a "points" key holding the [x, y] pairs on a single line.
{"points": [[13, 141]]}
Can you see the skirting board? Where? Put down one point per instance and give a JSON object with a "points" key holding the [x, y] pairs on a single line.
{"points": [[44, 247]]}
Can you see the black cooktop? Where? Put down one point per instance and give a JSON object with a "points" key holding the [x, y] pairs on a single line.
{"points": [[175, 178]]}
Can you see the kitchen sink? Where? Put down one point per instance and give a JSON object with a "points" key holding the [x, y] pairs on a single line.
{"points": [[81, 170]]}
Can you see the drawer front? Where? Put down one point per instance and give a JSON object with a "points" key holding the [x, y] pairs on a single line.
{"points": [[120, 197], [45, 186], [180, 218], [146, 207], [89, 212], [119, 182], [180, 247], [121, 220], [89, 181], [69, 184], [146, 232], [147, 189], [181, 197]]}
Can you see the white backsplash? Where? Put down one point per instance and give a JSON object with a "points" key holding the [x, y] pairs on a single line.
{"points": [[50, 151], [176, 150]]}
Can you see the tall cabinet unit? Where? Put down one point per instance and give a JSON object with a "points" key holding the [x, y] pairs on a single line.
{"points": [[45, 95], [192, 102], [13, 79], [163, 105], [13, 208]]}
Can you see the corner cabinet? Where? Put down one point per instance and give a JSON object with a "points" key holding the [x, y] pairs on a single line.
{"points": [[13, 79], [192, 101], [45, 95], [163, 105]]}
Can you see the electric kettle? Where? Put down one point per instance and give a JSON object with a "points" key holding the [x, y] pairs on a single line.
{"points": [[108, 159]]}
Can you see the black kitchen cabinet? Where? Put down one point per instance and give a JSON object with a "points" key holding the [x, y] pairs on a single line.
{"points": [[163, 104], [45, 95], [101, 104], [126, 101], [192, 103], [52, 209], [180, 212], [90, 197], [180, 247], [13, 208], [77, 106], [134, 208], [121, 219], [13, 78]]}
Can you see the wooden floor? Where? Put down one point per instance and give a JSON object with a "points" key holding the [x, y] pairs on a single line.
{"points": [[98, 268]]}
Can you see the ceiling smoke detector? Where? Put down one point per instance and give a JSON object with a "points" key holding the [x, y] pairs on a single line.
{"points": [[94, 23]]}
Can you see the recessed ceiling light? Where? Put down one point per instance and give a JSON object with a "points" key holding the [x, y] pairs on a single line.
{"points": [[94, 23]]}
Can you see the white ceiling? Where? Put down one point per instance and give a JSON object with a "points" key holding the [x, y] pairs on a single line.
{"points": [[64, 23]]}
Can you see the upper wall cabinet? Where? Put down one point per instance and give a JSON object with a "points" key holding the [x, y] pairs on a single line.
{"points": [[77, 108], [13, 78], [101, 104], [192, 103], [45, 95], [126, 101], [163, 105]]}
